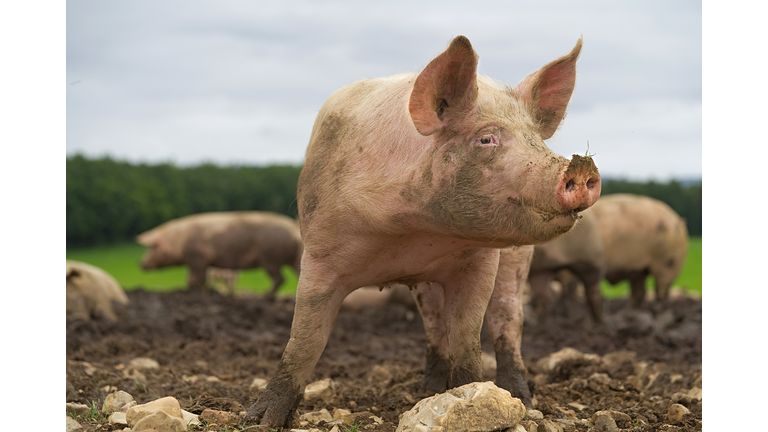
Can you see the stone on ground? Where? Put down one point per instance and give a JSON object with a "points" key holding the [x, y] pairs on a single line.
{"points": [[323, 390], [473, 407], [550, 362]]}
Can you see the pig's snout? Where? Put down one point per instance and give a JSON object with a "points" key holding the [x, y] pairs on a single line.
{"points": [[579, 186]]}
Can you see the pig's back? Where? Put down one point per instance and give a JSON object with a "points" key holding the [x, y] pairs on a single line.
{"points": [[636, 230]]}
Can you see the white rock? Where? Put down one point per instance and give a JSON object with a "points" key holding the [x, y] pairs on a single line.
{"points": [[190, 418], [548, 363], [114, 402], [259, 383], [320, 390], [534, 414], [141, 363], [118, 418], [695, 393], [472, 407], [167, 404], [615, 415], [73, 425], [340, 412], [160, 421], [317, 416]]}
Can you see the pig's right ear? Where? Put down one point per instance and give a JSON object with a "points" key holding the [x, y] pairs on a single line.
{"points": [[446, 87]]}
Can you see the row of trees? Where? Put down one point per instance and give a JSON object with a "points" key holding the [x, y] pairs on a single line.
{"points": [[110, 201]]}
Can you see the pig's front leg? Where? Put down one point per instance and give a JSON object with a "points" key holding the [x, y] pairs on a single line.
{"points": [[317, 305], [467, 290], [429, 299], [505, 321]]}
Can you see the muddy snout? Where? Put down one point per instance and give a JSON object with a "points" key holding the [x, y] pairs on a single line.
{"points": [[579, 186]]}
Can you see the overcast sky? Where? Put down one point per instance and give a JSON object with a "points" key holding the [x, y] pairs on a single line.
{"points": [[226, 81]]}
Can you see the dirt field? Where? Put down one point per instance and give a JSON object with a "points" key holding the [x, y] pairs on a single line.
{"points": [[195, 336]]}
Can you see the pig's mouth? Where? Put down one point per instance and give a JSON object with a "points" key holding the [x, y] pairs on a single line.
{"points": [[546, 215]]}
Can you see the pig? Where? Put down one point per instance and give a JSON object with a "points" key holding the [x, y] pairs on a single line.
{"points": [[505, 322], [581, 252], [92, 293], [229, 240], [641, 236], [422, 178]]}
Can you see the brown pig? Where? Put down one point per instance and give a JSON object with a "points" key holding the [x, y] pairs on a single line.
{"points": [[581, 252], [229, 240], [641, 236], [92, 292], [421, 178]]}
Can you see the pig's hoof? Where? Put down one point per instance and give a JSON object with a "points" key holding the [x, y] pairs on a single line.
{"points": [[275, 407], [436, 373]]}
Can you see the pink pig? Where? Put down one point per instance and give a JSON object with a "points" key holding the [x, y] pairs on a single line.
{"points": [[422, 178]]}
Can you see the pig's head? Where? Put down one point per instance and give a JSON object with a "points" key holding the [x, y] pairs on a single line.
{"points": [[490, 175], [160, 252]]}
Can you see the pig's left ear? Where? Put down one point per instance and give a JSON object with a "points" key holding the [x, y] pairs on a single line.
{"points": [[446, 87], [548, 91]]}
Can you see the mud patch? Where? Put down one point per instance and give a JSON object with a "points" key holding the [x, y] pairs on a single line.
{"points": [[211, 347]]}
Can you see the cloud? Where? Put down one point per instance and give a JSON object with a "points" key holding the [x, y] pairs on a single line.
{"points": [[193, 81]]}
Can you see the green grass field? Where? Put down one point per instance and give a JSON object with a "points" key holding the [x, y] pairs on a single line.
{"points": [[689, 279], [122, 262]]}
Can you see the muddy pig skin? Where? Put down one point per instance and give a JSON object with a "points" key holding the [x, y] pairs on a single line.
{"points": [[422, 178], [228, 240], [580, 251], [641, 236], [92, 293]]}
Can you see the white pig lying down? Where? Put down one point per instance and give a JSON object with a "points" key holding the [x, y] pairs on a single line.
{"points": [[228, 240], [641, 236], [423, 178], [92, 293]]}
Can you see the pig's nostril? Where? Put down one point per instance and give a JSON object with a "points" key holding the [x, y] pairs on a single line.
{"points": [[591, 183], [569, 186]]}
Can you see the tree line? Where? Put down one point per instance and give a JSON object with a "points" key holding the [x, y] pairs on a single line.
{"points": [[110, 201]]}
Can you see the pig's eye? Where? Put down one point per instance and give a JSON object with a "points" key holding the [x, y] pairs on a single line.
{"points": [[487, 140]]}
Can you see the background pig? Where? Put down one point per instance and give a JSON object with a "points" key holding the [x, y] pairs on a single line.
{"points": [[222, 279], [92, 293], [230, 240], [580, 251], [421, 178], [641, 236]]}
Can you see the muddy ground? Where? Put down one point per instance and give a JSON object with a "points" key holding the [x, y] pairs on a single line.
{"points": [[195, 336]]}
